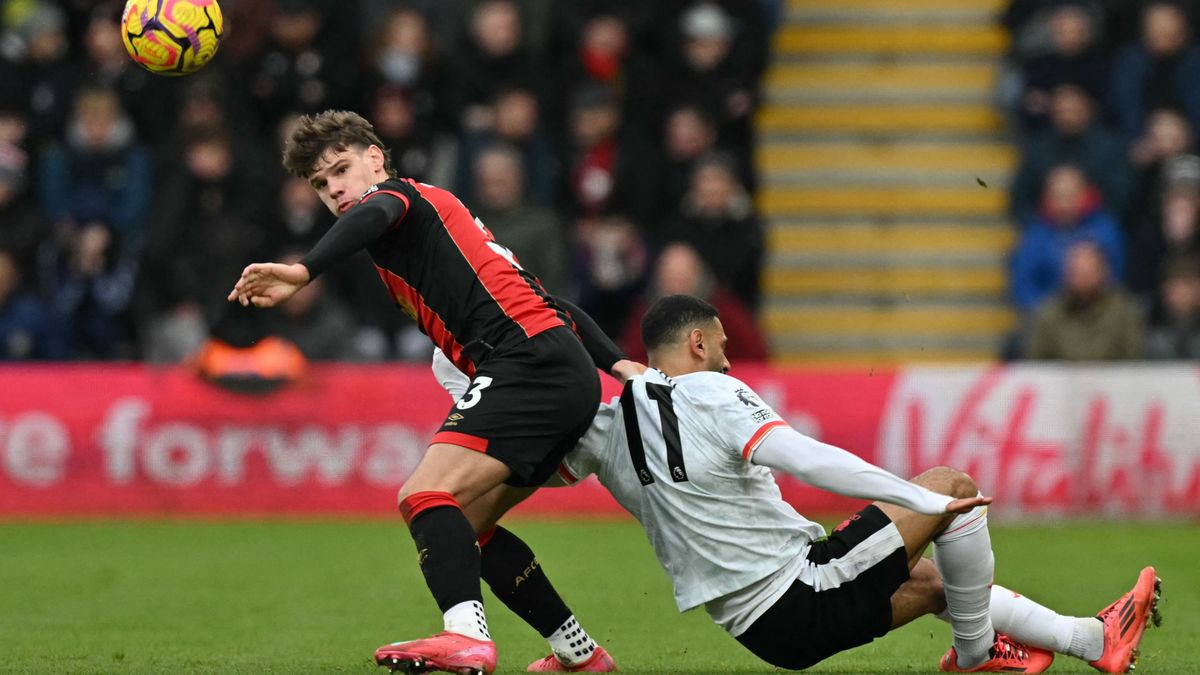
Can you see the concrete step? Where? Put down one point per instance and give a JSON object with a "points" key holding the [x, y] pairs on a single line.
{"points": [[885, 179], [877, 97], [895, 119], [905, 240], [961, 221], [868, 59], [880, 84], [869, 357], [947, 282], [912, 164], [869, 177], [874, 138], [838, 37], [890, 322], [915, 156], [995, 6], [968, 200], [896, 12]]}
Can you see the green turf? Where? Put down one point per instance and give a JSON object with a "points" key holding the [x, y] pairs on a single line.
{"points": [[300, 597]]}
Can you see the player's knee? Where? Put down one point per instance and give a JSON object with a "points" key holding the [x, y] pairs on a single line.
{"points": [[408, 490], [403, 493], [948, 481]]}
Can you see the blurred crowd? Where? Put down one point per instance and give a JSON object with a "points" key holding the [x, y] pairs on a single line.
{"points": [[607, 142], [1104, 96]]}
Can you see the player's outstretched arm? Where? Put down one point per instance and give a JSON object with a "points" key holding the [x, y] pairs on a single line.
{"points": [[965, 505], [832, 468], [268, 284], [356, 230], [625, 370], [604, 352]]}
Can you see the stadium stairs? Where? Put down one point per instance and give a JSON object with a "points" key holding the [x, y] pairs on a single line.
{"points": [[885, 171]]}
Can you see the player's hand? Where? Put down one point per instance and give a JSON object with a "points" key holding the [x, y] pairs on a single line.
{"points": [[964, 505], [269, 284], [625, 370]]}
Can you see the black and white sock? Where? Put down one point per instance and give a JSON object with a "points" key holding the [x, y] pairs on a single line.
{"points": [[466, 618], [571, 644]]}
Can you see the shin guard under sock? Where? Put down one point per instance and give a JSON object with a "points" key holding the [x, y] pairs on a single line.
{"points": [[446, 548], [516, 577]]}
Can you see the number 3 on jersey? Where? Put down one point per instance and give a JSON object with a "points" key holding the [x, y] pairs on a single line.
{"points": [[475, 393], [670, 433]]}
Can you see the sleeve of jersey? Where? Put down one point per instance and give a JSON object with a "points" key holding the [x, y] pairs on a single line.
{"points": [[356, 230], [836, 470], [738, 417], [589, 453], [600, 347], [453, 380], [576, 465]]}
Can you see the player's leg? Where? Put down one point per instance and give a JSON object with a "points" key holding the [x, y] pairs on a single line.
{"points": [[525, 409], [1012, 614], [963, 557], [448, 554], [922, 594], [1108, 641], [1040, 626], [519, 581], [447, 551]]}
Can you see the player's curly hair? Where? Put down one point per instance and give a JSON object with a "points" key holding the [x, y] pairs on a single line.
{"points": [[670, 315], [332, 129]]}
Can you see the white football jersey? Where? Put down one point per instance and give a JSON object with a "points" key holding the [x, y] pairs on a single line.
{"points": [[674, 452]]}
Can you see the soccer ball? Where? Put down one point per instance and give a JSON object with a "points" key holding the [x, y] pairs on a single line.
{"points": [[172, 37]]}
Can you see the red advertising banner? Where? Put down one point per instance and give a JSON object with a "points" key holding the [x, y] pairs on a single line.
{"points": [[132, 439], [1055, 441]]}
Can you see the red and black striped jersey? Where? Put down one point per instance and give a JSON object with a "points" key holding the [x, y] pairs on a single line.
{"points": [[444, 268]]}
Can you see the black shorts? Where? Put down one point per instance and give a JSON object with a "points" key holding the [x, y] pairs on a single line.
{"points": [[806, 626], [528, 405]]}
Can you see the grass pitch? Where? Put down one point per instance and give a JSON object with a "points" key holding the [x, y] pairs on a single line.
{"points": [[314, 597]]}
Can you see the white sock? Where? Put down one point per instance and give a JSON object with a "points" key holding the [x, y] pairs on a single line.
{"points": [[571, 644], [963, 555], [1027, 621], [466, 618]]}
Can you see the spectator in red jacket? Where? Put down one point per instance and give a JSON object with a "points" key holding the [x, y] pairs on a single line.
{"points": [[680, 270]]}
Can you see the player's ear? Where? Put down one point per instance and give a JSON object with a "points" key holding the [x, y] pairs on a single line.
{"points": [[375, 157], [696, 343]]}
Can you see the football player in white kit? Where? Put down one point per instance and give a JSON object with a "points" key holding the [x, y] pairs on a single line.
{"points": [[688, 451]]}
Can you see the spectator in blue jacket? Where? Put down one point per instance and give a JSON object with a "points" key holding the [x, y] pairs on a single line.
{"points": [[1160, 71], [88, 279], [1071, 212], [26, 331], [101, 171]]}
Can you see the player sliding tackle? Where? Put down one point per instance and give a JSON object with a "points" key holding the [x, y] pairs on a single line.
{"points": [[689, 450]]}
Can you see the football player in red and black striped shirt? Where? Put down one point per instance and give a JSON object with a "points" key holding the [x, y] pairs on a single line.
{"points": [[533, 393]]}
